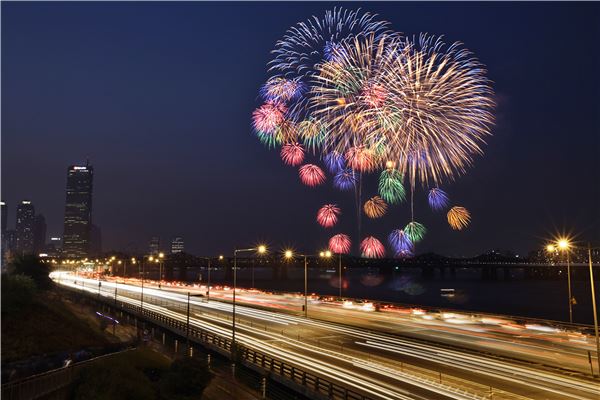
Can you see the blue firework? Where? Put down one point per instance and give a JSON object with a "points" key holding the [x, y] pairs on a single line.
{"points": [[438, 199], [345, 179]]}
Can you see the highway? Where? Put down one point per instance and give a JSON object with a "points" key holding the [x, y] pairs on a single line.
{"points": [[361, 351]]}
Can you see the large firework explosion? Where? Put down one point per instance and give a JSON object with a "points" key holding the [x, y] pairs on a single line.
{"points": [[362, 99]]}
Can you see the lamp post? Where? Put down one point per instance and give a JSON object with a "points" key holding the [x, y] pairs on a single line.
{"points": [[289, 254], [594, 307], [159, 260], [208, 276], [564, 246], [260, 249]]}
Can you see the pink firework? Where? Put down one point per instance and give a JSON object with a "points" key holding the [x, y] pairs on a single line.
{"points": [[311, 175], [370, 247], [269, 116], [374, 95], [292, 154], [340, 244], [360, 158], [327, 215]]}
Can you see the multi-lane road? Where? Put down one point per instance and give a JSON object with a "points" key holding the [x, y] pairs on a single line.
{"points": [[391, 354]]}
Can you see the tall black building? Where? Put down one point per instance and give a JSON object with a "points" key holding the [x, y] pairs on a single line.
{"points": [[78, 211], [4, 216], [39, 234], [24, 227]]}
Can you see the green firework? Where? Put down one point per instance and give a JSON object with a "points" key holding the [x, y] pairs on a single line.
{"points": [[415, 231], [390, 186]]}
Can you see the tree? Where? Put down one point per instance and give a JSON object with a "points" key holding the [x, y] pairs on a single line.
{"points": [[186, 379], [17, 292], [31, 266]]}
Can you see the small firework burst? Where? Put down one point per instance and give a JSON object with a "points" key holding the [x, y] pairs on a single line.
{"points": [[269, 116], [438, 199], [375, 207], [311, 175], [370, 247], [327, 216], [415, 231], [281, 89], [334, 162], [390, 186], [401, 243], [458, 218], [292, 154], [360, 158], [345, 179], [340, 244]]}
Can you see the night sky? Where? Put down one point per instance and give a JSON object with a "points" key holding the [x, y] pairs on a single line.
{"points": [[159, 97]]}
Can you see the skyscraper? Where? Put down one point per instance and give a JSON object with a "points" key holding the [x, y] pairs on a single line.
{"points": [[24, 227], [78, 211], [4, 216], [177, 245], [39, 234], [154, 245]]}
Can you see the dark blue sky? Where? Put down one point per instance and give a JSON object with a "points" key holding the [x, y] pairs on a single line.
{"points": [[159, 97]]}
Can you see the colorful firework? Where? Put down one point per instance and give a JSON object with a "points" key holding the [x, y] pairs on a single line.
{"points": [[269, 140], [269, 116], [312, 134], [360, 158], [327, 216], [370, 247], [415, 231], [401, 243], [340, 244], [375, 207], [438, 199], [390, 186], [311, 175], [311, 42], [443, 114], [458, 218], [281, 89], [334, 162], [292, 154], [345, 179]]}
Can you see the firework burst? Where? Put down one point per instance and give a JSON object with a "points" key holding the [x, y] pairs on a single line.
{"points": [[401, 243], [345, 179], [370, 247], [458, 218], [281, 89], [269, 116], [438, 199], [415, 231], [327, 216], [311, 175], [334, 162], [340, 244], [375, 207], [360, 158], [390, 186], [292, 154]]}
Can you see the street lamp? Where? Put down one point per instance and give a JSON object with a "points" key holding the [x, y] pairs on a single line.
{"points": [[261, 250], [208, 278], [160, 261], [289, 254], [564, 245]]}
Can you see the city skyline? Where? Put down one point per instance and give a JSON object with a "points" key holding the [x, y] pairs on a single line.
{"points": [[167, 165]]}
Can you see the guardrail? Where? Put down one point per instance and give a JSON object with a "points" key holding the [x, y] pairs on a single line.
{"points": [[318, 387], [41, 385]]}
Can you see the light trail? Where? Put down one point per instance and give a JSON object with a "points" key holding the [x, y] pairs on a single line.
{"points": [[299, 351]]}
